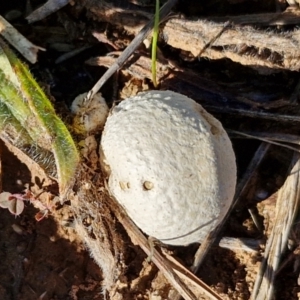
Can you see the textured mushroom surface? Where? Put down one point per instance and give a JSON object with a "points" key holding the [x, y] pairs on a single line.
{"points": [[171, 165]]}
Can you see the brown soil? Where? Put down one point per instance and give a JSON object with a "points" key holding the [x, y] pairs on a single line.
{"points": [[45, 259]]}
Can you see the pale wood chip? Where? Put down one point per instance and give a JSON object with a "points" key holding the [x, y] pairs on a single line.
{"points": [[240, 244], [17, 40]]}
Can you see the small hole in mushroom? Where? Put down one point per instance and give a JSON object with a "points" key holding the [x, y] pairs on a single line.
{"points": [[148, 185]]}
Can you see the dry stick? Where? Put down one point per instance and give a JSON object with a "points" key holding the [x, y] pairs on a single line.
{"points": [[288, 17], [264, 139], [253, 114], [164, 11], [172, 76], [279, 137], [210, 43], [286, 209], [46, 9], [71, 54], [190, 279]]}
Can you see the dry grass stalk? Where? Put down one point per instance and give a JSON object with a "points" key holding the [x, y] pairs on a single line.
{"points": [[286, 209]]}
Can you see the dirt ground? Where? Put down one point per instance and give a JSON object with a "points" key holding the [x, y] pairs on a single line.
{"points": [[47, 259]]}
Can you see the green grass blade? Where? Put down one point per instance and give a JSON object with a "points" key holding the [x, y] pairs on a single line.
{"points": [[154, 43]]}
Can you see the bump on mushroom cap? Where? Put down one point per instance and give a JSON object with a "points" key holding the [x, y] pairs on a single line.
{"points": [[172, 166]]}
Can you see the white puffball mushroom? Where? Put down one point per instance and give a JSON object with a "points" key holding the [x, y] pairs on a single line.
{"points": [[170, 165], [91, 116]]}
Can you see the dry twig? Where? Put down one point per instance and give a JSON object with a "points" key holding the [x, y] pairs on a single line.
{"points": [[288, 17]]}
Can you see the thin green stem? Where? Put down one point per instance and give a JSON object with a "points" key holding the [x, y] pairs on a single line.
{"points": [[154, 43]]}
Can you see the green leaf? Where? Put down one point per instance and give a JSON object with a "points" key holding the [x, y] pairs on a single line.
{"points": [[24, 102]]}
